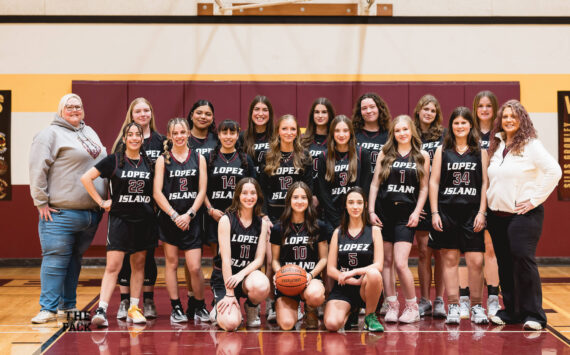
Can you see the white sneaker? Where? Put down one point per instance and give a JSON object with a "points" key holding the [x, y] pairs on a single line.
{"points": [[532, 325], [478, 315], [424, 307], [453, 315], [384, 308], [493, 305], [123, 309], [214, 314], [299, 313], [464, 304], [252, 314], [44, 317], [270, 310], [439, 308]]}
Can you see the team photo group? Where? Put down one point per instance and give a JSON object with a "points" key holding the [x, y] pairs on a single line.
{"points": [[316, 226]]}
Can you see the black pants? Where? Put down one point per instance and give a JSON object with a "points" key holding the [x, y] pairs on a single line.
{"points": [[515, 238]]}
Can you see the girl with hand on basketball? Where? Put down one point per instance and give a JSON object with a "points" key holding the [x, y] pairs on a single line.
{"points": [[179, 190], [285, 163], [242, 236], [227, 164], [342, 166], [458, 203], [400, 183], [255, 140], [427, 119], [300, 239], [132, 224], [355, 263]]}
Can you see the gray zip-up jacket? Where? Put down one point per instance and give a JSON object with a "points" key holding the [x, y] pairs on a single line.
{"points": [[60, 154]]}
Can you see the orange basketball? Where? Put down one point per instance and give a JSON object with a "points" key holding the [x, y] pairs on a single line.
{"points": [[291, 280]]}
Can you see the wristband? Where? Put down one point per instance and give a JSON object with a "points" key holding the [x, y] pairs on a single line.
{"points": [[434, 212], [174, 215], [231, 296], [483, 213]]}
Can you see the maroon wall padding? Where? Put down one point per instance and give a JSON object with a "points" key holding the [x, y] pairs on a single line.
{"points": [[106, 104], [449, 94], [503, 90], [394, 93], [224, 95], [166, 98], [282, 95], [339, 93]]}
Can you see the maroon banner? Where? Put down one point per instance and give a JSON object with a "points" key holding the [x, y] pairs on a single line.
{"points": [[564, 144], [5, 119]]}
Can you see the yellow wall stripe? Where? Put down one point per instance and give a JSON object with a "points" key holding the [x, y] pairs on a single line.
{"points": [[41, 92]]}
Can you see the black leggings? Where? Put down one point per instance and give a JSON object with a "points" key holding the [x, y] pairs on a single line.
{"points": [[150, 270], [515, 238]]}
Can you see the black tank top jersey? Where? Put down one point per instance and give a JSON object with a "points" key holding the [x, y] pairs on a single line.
{"points": [[203, 145], [154, 146], [373, 142], [260, 148], [316, 149], [402, 185], [243, 243], [131, 187], [332, 194], [181, 181], [461, 178], [275, 186], [485, 140], [296, 248], [355, 251], [430, 146], [223, 175]]}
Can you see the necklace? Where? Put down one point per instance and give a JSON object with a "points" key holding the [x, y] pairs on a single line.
{"points": [[297, 228], [461, 149], [223, 156]]}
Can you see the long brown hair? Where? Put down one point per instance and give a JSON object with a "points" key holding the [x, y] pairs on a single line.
{"points": [[249, 134], [384, 116], [473, 137], [331, 150], [273, 156], [309, 135], [345, 219], [310, 221], [390, 149], [523, 135], [435, 128], [236, 203], [129, 119], [488, 94]]}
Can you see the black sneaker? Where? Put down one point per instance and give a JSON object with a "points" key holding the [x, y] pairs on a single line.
{"points": [[201, 313], [352, 320], [177, 315], [100, 318]]}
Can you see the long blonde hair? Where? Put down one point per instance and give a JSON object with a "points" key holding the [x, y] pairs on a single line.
{"points": [[129, 119], [390, 149], [273, 157], [331, 151]]}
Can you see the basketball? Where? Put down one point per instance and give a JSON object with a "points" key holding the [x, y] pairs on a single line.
{"points": [[291, 280]]}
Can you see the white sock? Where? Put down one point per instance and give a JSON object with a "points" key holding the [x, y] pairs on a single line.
{"points": [[104, 305], [190, 294], [134, 301], [412, 300], [392, 298]]}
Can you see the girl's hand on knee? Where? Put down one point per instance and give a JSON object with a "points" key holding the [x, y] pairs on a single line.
{"points": [[234, 280]]}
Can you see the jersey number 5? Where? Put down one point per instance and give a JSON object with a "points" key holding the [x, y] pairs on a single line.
{"points": [[352, 259]]}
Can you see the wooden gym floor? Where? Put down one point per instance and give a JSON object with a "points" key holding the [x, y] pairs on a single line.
{"points": [[19, 294]]}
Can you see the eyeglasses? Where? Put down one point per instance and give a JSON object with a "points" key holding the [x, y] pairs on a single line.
{"points": [[70, 108]]}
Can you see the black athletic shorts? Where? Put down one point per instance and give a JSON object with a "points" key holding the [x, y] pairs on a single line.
{"points": [[131, 237], [394, 217], [171, 234], [219, 287], [347, 293], [211, 235], [458, 232]]}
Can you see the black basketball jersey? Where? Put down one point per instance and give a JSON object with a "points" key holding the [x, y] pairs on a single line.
{"points": [[373, 142], [243, 243], [153, 146], [402, 185], [316, 149], [430, 146], [332, 194], [260, 147], [181, 181], [355, 251], [224, 172], [275, 186], [203, 145], [130, 186], [461, 178], [485, 140]]}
